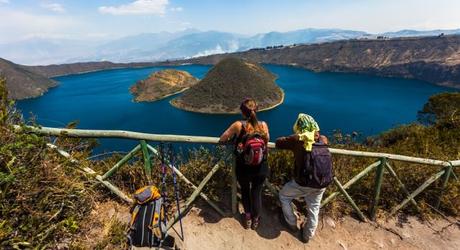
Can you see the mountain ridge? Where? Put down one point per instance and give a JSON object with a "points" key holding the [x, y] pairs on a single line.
{"points": [[432, 59], [175, 45]]}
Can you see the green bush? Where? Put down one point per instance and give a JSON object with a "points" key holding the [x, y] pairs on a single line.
{"points": [[441, 108]]}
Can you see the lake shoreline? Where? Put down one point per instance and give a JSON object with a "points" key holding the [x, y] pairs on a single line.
{"points": [[337, 101], [175, 105]]}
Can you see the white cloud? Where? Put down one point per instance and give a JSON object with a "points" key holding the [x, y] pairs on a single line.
{"points": [[138, 7], [18, 25], [176, 9], [55, 7], [4, 1]]}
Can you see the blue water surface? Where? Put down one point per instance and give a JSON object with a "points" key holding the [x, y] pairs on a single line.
{"points": [[347, 102]]}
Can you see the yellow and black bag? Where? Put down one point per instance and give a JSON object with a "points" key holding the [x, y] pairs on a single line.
{"points": [[148, 220]]}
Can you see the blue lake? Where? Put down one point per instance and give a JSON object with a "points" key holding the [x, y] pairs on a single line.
{"points": [[346, 102]]}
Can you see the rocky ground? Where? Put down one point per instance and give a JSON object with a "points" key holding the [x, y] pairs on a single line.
{"points": [[204, 229]]}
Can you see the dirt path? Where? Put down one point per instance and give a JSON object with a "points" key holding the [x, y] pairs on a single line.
{"points": [[204, 230]]}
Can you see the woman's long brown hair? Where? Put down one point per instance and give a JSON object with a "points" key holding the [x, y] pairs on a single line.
{"points": [[249, 109]]}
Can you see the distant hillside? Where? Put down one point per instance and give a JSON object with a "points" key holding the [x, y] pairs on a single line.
{"points": [[413, 33], [148, 47], [162, 84], [227, 84], [432, 59], [31, 81], [23, 83], [299, 36], [82, 67]]}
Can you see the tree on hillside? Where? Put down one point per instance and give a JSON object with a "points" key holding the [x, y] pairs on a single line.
{"points": [[441, 108]]}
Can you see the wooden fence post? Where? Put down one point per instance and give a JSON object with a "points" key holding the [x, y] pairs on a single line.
{"points": [[193, 196], [445, 181], [418, 191], [351, 182], [114, 189], [234, 190], [147, 163], [121, 162], [378, 186], [188, 182], [401, 184], [350, 200]]}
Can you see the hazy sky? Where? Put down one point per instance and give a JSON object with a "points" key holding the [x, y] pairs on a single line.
{"points": [[92, 19]]}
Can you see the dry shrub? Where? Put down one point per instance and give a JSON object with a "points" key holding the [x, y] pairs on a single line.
{"points": [[43, 196]]}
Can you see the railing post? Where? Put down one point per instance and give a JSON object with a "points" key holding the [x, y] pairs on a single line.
{"points": [[188, 182], [349, 199], [114, 189], [121, 162], [147, 164], [418, 191], [234, 190], [351, 182], [445, 181], [377, 187], [193, 196], [401, 184]]}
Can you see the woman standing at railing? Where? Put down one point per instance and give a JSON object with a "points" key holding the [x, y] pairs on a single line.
{"points": [[250, 137]]}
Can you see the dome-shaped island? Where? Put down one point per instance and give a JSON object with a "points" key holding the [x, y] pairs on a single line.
{"points": [[227, 84]]}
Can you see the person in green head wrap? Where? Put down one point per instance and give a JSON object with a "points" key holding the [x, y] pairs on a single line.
{"points": [[306, 133], [307, 130]]}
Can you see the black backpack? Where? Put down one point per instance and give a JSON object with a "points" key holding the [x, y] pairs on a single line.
{"points": [[317, 172], [148, 221]]}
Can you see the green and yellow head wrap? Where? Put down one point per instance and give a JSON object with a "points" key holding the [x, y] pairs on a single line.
{"points": [[305, 126]]}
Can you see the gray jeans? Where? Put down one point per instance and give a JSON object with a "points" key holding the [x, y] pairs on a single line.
{"points": [[312, 197]]}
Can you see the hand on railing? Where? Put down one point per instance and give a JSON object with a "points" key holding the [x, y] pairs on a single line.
{"points": [[224, 146], [230, 141]]}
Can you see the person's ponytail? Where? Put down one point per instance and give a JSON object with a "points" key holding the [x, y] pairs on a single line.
{"points": [[253, 120], [249, 109]]}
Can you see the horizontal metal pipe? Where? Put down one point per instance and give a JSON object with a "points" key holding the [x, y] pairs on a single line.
{"points": [[211, 140]]}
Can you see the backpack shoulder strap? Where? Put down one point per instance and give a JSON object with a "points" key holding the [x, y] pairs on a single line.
{"points": [[242, 132], [243, 125], [134, 214]]}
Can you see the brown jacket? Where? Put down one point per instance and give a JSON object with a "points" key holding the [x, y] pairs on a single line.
{"points": [[293, 143]]}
